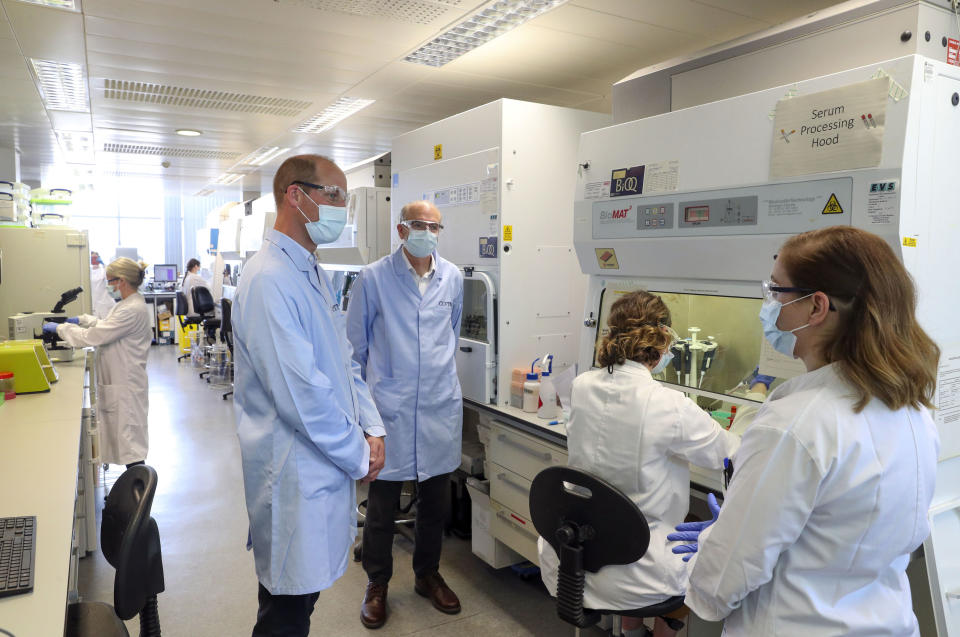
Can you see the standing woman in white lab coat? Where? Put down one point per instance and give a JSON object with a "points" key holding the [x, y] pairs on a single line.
{"points": [[123, 341], [640, 436], [192, 279], [834, 478]]}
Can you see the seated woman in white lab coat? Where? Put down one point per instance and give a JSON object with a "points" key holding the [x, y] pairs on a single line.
{"points": [[639, 435], [192, 279], [833, 482]]}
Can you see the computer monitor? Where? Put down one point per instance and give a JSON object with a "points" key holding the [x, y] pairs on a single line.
{"points": [[165, 273]]}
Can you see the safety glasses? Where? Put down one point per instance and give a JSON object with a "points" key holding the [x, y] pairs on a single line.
{"points": [[674, 337], [334, 194], [419, 224], [772, 291]]}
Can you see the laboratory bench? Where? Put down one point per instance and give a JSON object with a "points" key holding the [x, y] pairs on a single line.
{"points": [[48, 449]]}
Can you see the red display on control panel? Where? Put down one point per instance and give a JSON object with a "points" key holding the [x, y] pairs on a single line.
{"points": [[693, 214]]}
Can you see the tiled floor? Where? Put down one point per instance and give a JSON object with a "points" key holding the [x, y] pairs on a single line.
{"points": [[211, 588]]}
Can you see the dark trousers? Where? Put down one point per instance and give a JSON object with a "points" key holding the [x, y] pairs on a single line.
{"points": [[283, 615], [383, 503]]}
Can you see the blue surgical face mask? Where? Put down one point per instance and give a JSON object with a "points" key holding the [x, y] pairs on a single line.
{"points": [[329, 223], [782, 341], [114, 292], [421, 243], [664, 361]]}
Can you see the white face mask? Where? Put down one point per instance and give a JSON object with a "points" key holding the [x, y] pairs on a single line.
{"points": [[784, 341], [114, 292], [664, 361], [329, 224]]}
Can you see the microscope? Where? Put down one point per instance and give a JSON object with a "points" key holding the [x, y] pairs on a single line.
{"points": [[29, 325]]}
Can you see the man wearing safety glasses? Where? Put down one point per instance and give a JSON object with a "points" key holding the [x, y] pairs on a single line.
{"points": [[404, 323], [307, 425]]}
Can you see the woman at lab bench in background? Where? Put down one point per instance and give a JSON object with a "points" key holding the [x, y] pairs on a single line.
{"points": [[123, 341], [833, 481], [192, 279], [640, 436]]}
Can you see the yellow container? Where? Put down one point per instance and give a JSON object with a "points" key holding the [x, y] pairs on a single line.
{"points": [[183, 335], [33, 371]]}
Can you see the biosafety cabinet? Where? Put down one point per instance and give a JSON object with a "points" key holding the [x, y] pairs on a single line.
{"points": [[366, 235], [694, 204], [503, 176]]}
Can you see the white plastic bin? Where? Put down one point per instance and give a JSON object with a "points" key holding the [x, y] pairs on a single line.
{"points": [[482, 543]]}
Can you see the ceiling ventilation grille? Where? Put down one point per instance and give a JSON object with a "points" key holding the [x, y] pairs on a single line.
{"points": [[169, 151], [200, 98], [408, 11]]}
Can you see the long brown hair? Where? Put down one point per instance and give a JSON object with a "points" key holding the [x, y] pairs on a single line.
{"points": [[878, 347], [635, 332], [190, 264]]}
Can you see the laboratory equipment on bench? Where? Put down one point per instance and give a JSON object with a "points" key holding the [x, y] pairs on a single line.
{"points": [[29, 326], [502, 176], [32, 369], [547, 407], [673, 192], [531, 389], [692, 358]]}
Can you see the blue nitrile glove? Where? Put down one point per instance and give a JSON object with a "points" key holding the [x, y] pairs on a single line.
{"points": [[690, 531], [50, 328], [74, 319], [757, 377]]}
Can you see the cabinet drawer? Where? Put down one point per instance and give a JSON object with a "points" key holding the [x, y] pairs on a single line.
{"points": [[521, 454], [510, 489], [514, 530]]}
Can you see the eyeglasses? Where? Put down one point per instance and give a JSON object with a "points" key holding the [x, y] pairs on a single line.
{"points": [[674, 337], [772, 292], [112, 280], [334, 194], [419, 224]]}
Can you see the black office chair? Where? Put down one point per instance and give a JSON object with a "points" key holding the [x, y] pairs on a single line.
{"points": [[226, 335], [590, 524], [182, 310], [205, 308], [131, 543]]}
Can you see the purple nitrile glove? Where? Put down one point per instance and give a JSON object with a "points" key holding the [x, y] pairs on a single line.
{"points": [[74, 319], [690, 531], [50, 328], [757, 377]]}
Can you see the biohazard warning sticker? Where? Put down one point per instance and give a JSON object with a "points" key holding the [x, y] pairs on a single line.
{"points": [[607, 259], [833, 206]]}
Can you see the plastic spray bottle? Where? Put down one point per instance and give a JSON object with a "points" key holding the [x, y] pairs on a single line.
{"points": [[547, 403]]}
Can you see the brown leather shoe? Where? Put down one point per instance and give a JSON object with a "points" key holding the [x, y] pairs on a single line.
{"points": [[373, 611], [433, 587]]}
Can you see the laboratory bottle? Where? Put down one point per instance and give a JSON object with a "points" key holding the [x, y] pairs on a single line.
{"points": [[531, 392], [547, 403]]}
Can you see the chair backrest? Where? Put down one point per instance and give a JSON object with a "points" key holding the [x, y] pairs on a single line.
{"points": [[182, 308], [590, 524], [202, 300], [226, 327], [131, 542]]}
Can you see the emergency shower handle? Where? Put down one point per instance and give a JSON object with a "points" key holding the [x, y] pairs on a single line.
{"points": [[545, 455], [502, 477]]}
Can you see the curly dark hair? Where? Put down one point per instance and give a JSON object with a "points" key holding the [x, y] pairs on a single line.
{"points": [[635, 332]]}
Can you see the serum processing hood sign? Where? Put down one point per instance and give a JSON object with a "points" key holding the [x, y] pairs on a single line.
{"points": [[839, 129]]}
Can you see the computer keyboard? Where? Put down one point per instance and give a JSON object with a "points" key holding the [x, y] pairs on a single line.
{"points": [[17, 554]]}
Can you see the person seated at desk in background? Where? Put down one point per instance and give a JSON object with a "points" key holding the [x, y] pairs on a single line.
{"points": [[833, 482], [404, 323], [628, 429], [123, 341], [192, 279]]}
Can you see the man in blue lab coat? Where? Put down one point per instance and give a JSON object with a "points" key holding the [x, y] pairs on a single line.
{"points": [[307, 425], [404, 322]]}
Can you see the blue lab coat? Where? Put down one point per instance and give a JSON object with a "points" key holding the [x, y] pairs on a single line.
{"points": [[300, 404], [406, 345]]}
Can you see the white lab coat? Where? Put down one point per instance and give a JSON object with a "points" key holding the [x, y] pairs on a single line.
{"points": [[102, 301], [640, 436], [824, 508], [123, 342], [191, 281]]}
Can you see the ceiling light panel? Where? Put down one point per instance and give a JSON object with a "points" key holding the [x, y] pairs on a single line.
{"points": [[227, 178], [60, 4], [468, 34], [166, 95], [263, 155], [333, 114], [63, 86], [204, 193], [407, 11], [169, 151]]}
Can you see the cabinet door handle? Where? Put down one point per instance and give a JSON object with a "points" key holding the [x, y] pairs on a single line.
{"points": [[542, 455], [517, 523], [466, 349], [502, 477]]}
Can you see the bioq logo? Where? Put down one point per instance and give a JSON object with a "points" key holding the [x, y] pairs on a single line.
{"points": [[620, 213]]}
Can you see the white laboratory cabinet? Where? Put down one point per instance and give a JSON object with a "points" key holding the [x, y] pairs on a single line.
{"points": [[366, 235], [695, 203], [253, 227], [503, 176], [37, 265]]}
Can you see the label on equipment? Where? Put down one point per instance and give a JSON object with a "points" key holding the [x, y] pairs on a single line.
{"points": [[953, 52], [488, 247], [508, 233], [607, 258], [883, 202], [596, 190], [626, 181]]}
